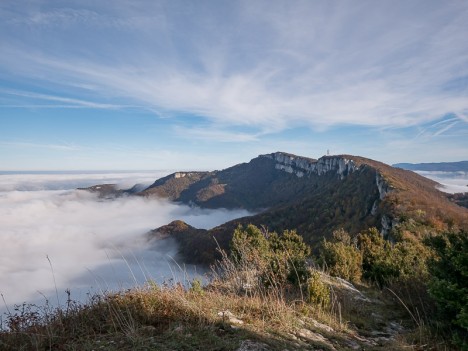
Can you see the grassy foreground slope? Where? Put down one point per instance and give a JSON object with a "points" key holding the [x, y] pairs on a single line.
{"points": [[238, 310]]}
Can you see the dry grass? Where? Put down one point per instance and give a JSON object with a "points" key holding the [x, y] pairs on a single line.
{"points": [[233, 308], [152, 316]]}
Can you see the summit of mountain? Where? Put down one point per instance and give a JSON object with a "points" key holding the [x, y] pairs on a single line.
{"points": [[266, 181], [313, 196]]}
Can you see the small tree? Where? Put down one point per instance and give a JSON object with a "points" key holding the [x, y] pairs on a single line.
{"points": [[342, 257], [378, 263], [449, 282], [275, 258], [250, 244], [290, 252], [318, 291]]}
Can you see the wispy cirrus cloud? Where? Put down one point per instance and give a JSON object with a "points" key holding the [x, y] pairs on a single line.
{"points": [[69, 17], [264, 65], [59, 147], [440, 128], [66, 102], [446, 128], [215, 134]]}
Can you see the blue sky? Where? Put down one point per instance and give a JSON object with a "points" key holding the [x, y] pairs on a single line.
{"points": [[207, 84]]}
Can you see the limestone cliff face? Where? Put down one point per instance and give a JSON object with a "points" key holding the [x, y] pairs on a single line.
{"points": [[341, 165], [384, 189], [303, 166], [382, 185]]}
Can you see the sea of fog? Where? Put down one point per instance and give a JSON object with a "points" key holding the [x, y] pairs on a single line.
{"points": [[56, 238], [451, 182]]}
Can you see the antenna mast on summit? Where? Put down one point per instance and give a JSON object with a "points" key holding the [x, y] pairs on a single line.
{"points": [[328, 152]]}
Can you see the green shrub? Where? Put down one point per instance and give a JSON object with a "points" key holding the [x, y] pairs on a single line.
{"points": [[196, 286], [449, 282], [250, 244], [290, 252], [383, 261], [318, 291], [276, 258], [410, 258], [342, 257], [372, 257], [378, 262]]}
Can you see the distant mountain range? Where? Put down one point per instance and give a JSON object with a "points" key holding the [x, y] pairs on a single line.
{"points": [[461, 166], [315, 197]]}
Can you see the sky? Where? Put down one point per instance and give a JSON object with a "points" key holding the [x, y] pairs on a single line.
{"points": [[144, 85]]}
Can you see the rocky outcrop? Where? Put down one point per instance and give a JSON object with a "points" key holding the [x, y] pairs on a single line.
{"points": [[106, 191], [341, 165], [172, 186], [387, 224], [303, 166], [382, 185]]}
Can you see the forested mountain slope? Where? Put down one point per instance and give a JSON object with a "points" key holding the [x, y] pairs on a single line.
{"points": [[315, 197]]}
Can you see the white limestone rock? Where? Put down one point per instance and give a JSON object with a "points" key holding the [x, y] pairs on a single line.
{"points": [[301, 166]]}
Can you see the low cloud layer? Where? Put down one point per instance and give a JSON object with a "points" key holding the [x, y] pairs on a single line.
{"points": [[29, 181], [452, 182], [92, 244]]}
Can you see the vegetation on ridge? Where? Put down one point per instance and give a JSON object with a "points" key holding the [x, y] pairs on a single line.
{"points": [[449, 283], [318, 205], [265, 295]]}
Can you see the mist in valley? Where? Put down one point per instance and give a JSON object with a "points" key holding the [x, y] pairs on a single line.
{"points": [[451, 182], [56, 238]]}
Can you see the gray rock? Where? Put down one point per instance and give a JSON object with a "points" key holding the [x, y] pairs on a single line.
{"points": [[307, 335], [229, 317], [248, 345]]}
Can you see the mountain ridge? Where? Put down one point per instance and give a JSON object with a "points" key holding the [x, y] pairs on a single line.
{"points": [[315, 197], [300, 166]]}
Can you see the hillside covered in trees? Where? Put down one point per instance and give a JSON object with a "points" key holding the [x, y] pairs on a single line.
{"points": [[314, 197]]}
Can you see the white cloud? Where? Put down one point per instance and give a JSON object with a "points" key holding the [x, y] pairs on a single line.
{"points": [[60, 147], [271, 66], [215, 134], [70, 102], [11, 181], [452, 182], [89, 241]]}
